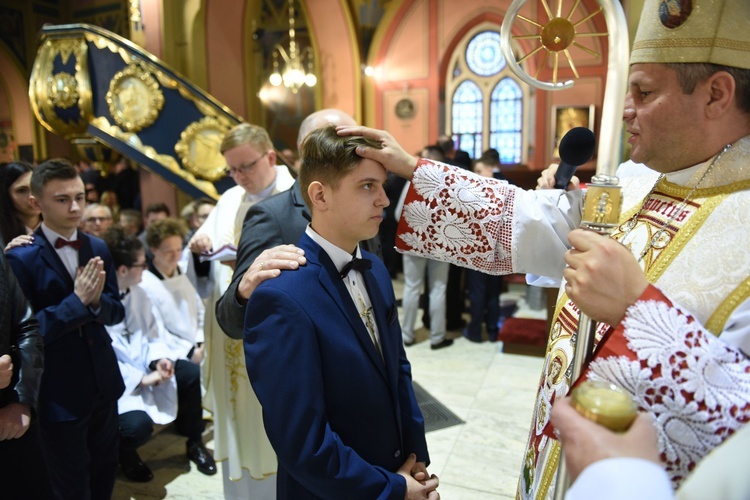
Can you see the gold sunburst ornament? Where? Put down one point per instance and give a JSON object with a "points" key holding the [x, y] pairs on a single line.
{"points": [[134, 98], [557, 35]]}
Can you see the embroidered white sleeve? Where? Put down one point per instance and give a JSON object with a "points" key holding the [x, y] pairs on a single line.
{"points": [[696, 387], [459, 219]]}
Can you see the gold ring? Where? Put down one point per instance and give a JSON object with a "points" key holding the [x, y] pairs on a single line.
{"points": [[261, 266]]}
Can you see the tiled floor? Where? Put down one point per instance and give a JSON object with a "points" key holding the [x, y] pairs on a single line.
{"points": [[491, 391]]}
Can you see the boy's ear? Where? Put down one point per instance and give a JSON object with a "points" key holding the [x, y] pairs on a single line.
{"points": [[317, 193], [34, 202]]}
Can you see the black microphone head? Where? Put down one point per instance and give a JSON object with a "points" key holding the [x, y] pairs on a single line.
{"points": [[577, 146]]}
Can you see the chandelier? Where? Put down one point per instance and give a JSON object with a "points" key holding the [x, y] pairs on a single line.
{"points": [[298, 64]]}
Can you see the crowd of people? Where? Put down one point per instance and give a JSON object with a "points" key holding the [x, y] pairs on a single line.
{"points": [[290, 336]]}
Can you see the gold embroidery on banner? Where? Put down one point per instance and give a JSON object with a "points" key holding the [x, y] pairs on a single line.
{"points": [[198, 148], [205, 103], [719, 318], [134, 98], [48, 91], [166, 161], [62, 90]]}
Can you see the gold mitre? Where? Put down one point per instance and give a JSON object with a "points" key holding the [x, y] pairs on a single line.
{"points": [[694, 31]]}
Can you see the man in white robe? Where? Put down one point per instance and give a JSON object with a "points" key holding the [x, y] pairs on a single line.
{"points": [[239, 438]]}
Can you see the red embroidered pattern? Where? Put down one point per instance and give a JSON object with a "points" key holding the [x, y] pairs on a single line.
{"points": [[456, 216], [696, 387]]}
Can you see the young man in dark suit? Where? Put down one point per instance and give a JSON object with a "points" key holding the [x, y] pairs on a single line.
{"points": [[278, 220], [69, 279], [323, 346]]}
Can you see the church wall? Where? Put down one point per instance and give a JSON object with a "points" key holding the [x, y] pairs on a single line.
{"points": [[411, 50], [337, 53]]}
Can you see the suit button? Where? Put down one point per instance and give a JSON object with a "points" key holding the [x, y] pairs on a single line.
{"points": [[397, 454]]}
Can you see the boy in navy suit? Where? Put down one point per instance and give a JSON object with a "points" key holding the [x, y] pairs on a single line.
{"points": [[323, 346], [69, 280]]}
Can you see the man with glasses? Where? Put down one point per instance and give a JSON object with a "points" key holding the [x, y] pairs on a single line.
{"points": [[96, 219], [251, 162]]}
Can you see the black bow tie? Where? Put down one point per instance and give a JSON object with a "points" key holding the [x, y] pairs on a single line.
{"points": [[76, 244], [360, 265]]}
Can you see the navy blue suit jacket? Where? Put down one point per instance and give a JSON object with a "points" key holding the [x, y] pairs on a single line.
{"points": [[341, 420], [79, 362]]}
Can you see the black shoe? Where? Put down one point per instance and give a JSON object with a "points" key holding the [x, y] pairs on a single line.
{"points": [[472, 338], [197, 453], [409, 343], [133, 467], [443, 343]]}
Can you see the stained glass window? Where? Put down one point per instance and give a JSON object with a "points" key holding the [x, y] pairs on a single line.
{"points": [[467, 117], [506, 120], [487, 103], [483, 54]]}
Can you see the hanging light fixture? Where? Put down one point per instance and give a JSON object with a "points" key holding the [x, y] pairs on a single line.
{"points": [[298, 65]]}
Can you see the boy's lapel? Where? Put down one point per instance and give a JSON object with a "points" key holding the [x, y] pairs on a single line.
{"points": [[50, 257], [380, 307], [334, 286]]}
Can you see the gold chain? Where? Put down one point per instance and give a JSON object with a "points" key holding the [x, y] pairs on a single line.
{"points": [[662, 231]]}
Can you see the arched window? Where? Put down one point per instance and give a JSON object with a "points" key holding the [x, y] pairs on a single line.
{"points": [[487, 106], [467, 117], [506, 120]]}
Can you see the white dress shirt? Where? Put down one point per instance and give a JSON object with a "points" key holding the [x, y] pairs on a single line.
{"points": [[354, 283]]}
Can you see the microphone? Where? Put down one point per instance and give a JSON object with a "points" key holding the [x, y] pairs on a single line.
{"points": [[576, 148]]}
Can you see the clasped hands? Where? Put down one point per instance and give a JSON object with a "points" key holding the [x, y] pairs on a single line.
{"points": [[14, 417], [163, 371], [89, 282], [419, 483]]}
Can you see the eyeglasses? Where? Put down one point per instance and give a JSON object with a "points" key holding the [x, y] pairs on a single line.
{"points": [[142, 266], [244, 168], [97, 219]]}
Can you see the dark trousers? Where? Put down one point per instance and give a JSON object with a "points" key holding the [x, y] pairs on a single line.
{"points": [[82, 454], [136, 426], [484, 295], [23, 467]]}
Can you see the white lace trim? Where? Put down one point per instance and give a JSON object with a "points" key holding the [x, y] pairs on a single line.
{"points": [[696, 387], [458, 217]]}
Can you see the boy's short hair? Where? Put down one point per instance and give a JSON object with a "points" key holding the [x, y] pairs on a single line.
{"points": [[124, 248], [58, 168], [246, 133], [130, 213], [434, 152], [162, 229], [155, 208], [327, 157]]}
